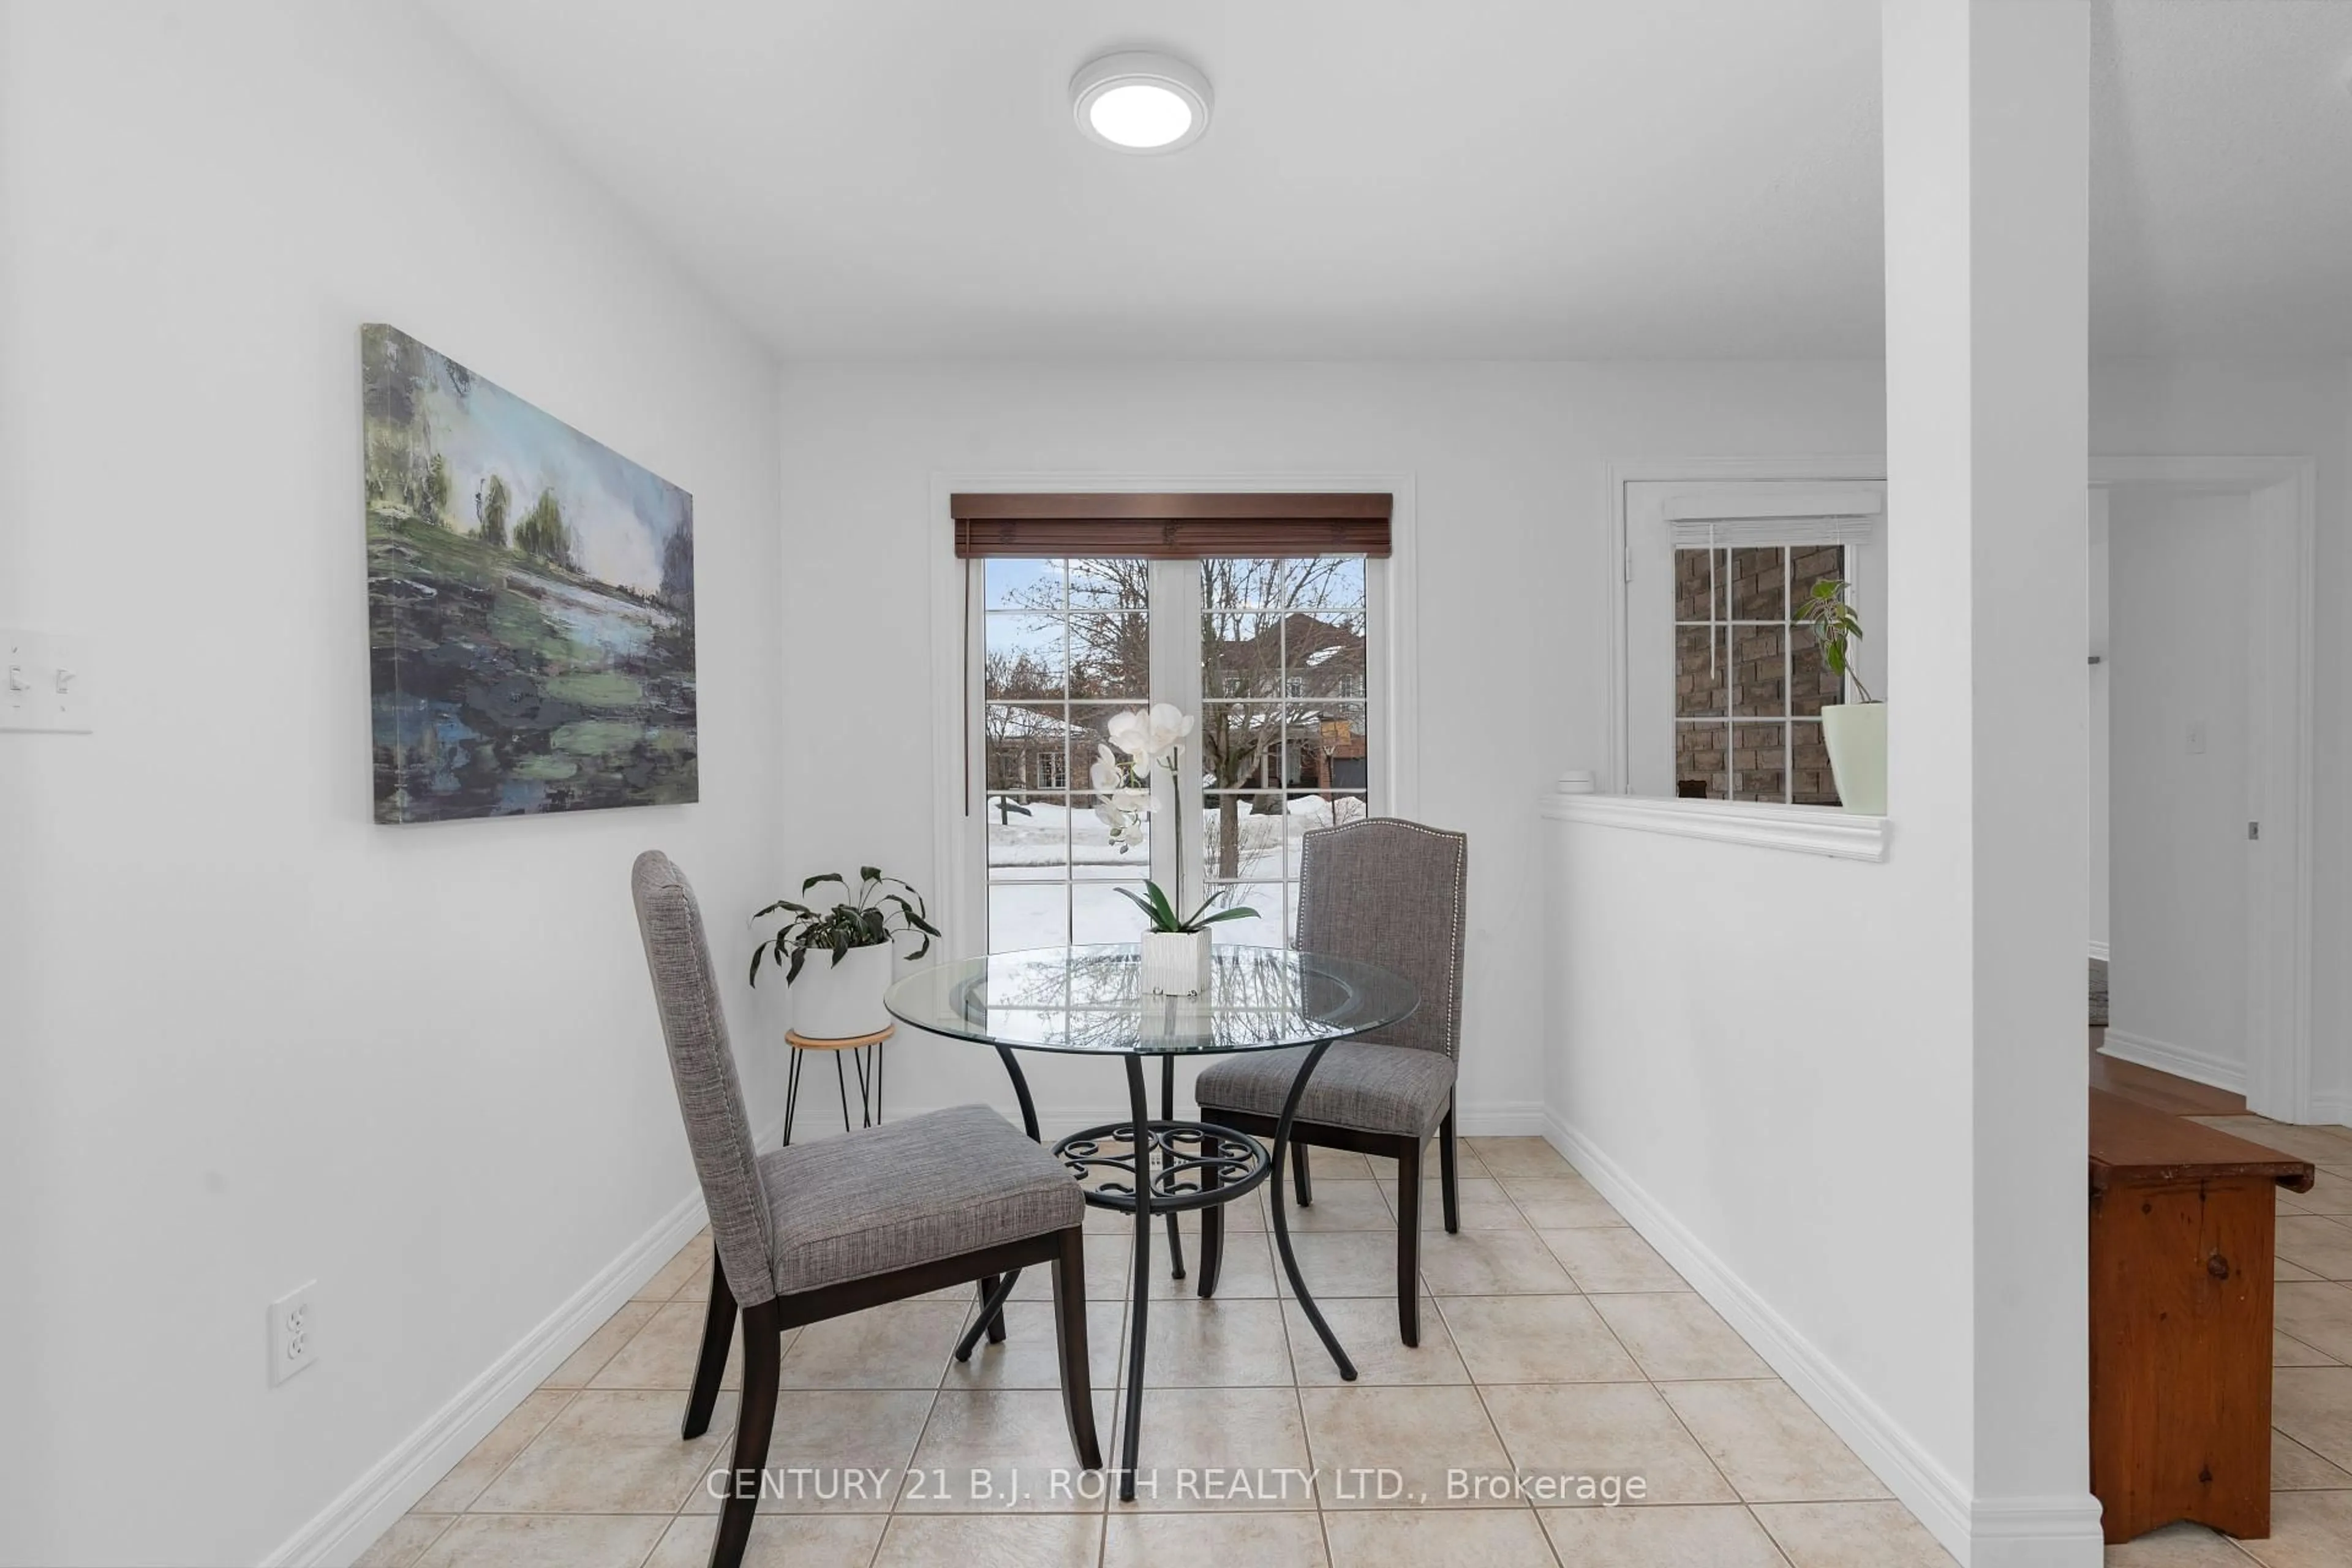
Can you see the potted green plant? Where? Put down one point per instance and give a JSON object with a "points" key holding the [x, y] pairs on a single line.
{"points": [[1855, 732], [843, 997], [1175, 946]]}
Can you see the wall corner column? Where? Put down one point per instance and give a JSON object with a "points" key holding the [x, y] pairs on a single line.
{"points": [[1986, 173]]}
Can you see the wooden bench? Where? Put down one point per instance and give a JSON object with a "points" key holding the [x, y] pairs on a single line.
{"points": [[2183, 1224]]}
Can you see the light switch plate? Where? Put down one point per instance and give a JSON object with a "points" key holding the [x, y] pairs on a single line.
{"points": [[20, 680], [73, 688], [45, 682]]}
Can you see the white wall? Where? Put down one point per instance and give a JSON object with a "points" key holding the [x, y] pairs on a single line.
{"points": [[1758, 1131], [2177, 982], [2287, 408], [1848, 1097], [1781, 1115], [253, 1038], [1515, 578]]}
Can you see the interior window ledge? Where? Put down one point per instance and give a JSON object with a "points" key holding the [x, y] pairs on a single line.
{"points": [[1797, 829]]}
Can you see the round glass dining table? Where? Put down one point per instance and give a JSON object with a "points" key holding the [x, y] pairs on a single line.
{"points": [[1091, 1001]]}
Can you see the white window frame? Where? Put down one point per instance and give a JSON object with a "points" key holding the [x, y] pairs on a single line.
{"points": [[1618, 477], [959, 839], [1661, 517]]}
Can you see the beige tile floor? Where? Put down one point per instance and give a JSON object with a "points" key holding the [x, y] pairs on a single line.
{"points": [[1554, 1341], [2311, 1384]]}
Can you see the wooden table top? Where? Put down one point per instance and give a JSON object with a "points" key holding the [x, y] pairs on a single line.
{"points": [[2129, 1142]]}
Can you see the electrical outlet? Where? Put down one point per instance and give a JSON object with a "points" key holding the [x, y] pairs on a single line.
{"points": [[2197, 737], [293, 1332]]}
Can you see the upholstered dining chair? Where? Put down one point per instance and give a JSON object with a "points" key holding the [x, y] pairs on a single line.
{"points": [[817, 1230], [1390, 892]]}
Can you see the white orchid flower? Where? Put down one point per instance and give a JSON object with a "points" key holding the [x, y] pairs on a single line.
{"points": [[1133, 801], [1150, 734], [1170, 726], [1130, 731], [1125, 826], [1106, 775]]}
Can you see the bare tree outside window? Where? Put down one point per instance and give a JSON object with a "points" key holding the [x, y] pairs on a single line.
{"points": [[1283, 742], [1281, 641]]}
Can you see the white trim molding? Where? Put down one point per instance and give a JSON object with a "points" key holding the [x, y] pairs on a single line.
{"points": [[1798, 829], [368, 1507], [2035, 1532], [1472, 1118], [2099, 952], [1930, 1490], [1830, 471], [1988, 1532], [2182, 1061], [348, 1526]]}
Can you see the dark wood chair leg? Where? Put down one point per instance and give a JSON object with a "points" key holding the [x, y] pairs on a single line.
{"points": [[1408, 1242], [1070, 1334], [717, 1328], [1449, 1185], [996, 1322], [763, 1369], [1298, 1179]]}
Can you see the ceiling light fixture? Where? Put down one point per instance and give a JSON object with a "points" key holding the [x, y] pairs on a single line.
{"points": [[1140, 102]]}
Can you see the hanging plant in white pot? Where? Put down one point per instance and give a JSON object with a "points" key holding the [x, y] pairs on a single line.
{"points": [[1855, 732], [1175, 946], [842, 998]]}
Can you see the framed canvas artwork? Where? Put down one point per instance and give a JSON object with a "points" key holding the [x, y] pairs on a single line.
{"points": [[530, 604]]}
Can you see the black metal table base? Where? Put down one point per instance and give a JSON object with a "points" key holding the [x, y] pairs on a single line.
{"points": [[1174, 1167]]}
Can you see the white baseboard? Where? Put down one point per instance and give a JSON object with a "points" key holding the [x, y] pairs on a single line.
{"points": [[1495, 1118], [2332, 1106], [2099, 952], [2055, 1532], [1502, 1119], [2178, 1060], [2036, 1533], [348, 1526]]}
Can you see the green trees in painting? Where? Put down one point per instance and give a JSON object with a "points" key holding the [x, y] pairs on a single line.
{"points": [[537, 655], [543, 532], [677, 568], [434, 504], [490, 511]]}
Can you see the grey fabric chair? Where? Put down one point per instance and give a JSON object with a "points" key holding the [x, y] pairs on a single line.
{"points": [[1393, 893], [817, 1230]]}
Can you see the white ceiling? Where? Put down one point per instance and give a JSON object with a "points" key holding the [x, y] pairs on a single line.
{"points": [[2221, 176], [1480, 178]]}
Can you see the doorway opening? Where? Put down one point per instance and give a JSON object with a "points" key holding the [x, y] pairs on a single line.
{"points": [[2199, 705]]}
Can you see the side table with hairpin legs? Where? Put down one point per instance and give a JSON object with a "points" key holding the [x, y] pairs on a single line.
{"points": [[863, 1050]]}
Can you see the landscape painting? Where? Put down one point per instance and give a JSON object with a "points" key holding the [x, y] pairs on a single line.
{"points": [[530, 604]]}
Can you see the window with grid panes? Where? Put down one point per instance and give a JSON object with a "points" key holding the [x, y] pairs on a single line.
{"points": [[1748, 682], [1066, 645], [1270, 653], [1284, 725]]}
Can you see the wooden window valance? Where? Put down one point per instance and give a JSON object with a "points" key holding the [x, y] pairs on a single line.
{"points": [[1171, 527]]}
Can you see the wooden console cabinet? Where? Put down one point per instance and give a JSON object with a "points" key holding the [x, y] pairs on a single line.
{"points": [[2183, 1222]]}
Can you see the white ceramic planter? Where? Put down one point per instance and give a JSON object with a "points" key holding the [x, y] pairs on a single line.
{"points": [[1175, 964], [841, 1001], [1855, 734]]}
